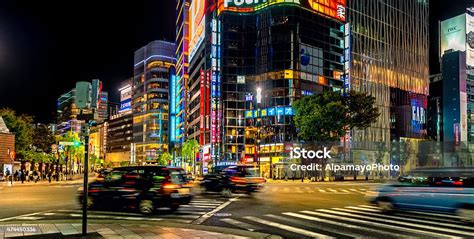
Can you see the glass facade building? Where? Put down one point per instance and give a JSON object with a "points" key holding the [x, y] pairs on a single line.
{"points": [[154, 73], [389, 46]]}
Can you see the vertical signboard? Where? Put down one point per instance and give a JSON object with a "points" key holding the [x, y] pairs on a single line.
{"points": [[197, 20], [202, 108], [173, 108]]}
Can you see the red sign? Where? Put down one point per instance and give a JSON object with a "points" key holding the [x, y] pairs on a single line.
{"points": [[12, 154]]}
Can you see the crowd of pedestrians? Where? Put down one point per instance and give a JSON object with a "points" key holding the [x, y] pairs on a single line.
{"points": [[36, 176]]}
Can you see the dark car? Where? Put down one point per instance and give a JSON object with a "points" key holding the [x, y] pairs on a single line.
{"points": [[234, 179], [143, 187]]}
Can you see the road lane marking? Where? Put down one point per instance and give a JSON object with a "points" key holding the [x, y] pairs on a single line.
{"points": [[386, 226], [332, 190], [369, 206], [25, 215], [309, 190], [287, 228], [240, 224], [341, 224], [343, 190], [408, 212], [355, 190], [320, 190], [198, 206], [395, 222], [117, 217], [217, 209], [403, 218], [338, 232]]}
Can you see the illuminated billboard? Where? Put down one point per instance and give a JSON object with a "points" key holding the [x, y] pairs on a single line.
{"points": [[470, 38], [125, 98], [453, 34], [197, 22], [332, 8]]}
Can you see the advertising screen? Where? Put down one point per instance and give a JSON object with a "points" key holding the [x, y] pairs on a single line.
{"points": [[453, 34], [332, 8], [470, 38], [197, 18]]}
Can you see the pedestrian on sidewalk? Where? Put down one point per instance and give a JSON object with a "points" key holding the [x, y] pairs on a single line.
{"points": [[22, 176], [49, 176]]}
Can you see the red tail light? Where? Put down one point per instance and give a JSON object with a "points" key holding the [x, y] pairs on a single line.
{"points": [[170, 186], [457, 183], [237, 180], [94, 190]]}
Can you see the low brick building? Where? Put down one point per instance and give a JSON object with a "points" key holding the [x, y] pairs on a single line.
{"points": [[7, 141]]}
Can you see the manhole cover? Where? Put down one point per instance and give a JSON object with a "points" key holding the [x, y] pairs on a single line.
{"points": [[222, 214]]}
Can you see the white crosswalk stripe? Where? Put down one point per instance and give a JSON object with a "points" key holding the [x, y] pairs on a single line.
{"points": [[277, 189], [287, 228], [357, 221], [240, 224]]}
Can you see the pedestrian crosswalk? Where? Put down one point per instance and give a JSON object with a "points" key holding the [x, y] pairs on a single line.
{"points": [[355, 222], [301, 190], [197, 208]]}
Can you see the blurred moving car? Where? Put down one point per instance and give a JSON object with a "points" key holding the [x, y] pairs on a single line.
{"points": [[449, 190], [143, 187], [102, 174], [234, 179]]}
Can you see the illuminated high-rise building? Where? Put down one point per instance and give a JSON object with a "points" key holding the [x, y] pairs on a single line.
{"points": [[182, 64], [389, 51], [248, 62], [154, 74]]}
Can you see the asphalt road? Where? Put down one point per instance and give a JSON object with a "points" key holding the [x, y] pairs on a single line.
{"points": [[288, 209]]}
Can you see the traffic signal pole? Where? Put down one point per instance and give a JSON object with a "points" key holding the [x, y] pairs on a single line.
{"points": [[86, 180]]}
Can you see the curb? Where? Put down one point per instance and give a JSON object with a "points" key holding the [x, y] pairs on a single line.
{"points": [[224, 230]]}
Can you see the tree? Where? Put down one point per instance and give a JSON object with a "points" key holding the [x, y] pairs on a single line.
{"points": [[189, 150], [164, 158], [43, 138], [329, 115], [20, 125]]}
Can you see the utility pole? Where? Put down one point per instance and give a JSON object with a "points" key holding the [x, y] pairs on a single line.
{"points": [[86, 179]]}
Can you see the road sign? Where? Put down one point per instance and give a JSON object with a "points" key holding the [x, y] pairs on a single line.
{"points": [[66, 143], [12, 154], [61, 148]]}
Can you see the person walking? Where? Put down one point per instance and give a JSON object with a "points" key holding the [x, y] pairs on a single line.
{"points": [[49, 176], [22, 176]]}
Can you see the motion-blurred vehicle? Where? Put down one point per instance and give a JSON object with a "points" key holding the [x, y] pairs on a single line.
{"points": [[448, 190], [234, 179], [145, 188], [102, 174]]}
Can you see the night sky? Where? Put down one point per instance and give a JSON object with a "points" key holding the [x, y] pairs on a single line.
{"points": [[46, 46]]}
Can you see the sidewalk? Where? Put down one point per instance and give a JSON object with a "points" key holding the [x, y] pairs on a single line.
{"points": [[45, 182], [116, 231]]}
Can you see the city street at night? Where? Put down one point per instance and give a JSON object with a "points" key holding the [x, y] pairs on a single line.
{"points": [[287, 209], [177, 119]]}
